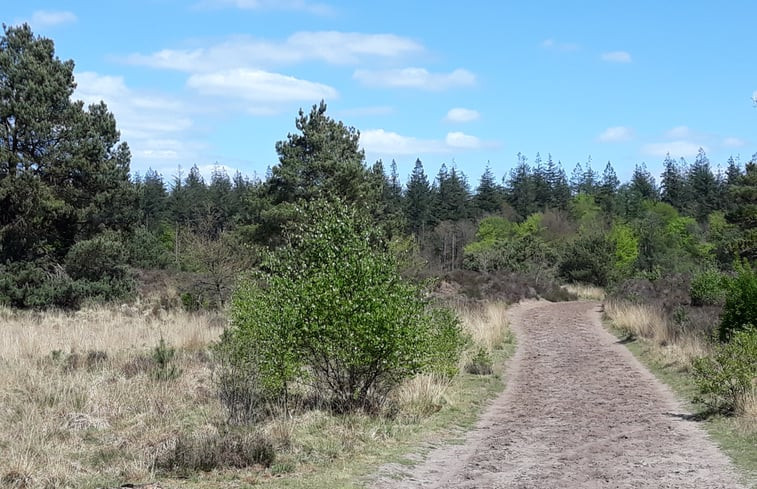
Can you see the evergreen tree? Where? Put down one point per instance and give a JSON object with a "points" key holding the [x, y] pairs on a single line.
{"points": [[64, 175], [703, 188], [577, 179], [643, 183], [489, 195], [418, 200], [153, 200], [521, 194], [323, 160], [673, 184], [607, 189], [558, 185]]}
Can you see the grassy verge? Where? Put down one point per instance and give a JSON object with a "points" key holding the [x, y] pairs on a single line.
{"points": [[736, 436], [96, 399]]}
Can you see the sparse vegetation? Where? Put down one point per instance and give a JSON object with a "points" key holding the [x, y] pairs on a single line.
{"points": [[81, 406]]}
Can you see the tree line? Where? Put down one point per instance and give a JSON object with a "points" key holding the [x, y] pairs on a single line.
{"points": [[75, 223]]}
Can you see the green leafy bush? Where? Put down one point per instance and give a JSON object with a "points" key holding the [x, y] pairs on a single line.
{"points": [[330, 310], [708, 288], [588, 259], [728, 378], [740, 303]]}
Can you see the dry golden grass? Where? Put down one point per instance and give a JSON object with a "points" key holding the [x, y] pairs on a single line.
{"points": [[649, 323], [586, 292], [71, 417], [80, 407], [486, 325]]}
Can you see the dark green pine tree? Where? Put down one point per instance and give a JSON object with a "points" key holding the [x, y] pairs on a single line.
{"points": [[733, 171], [453, 197], [643, 183], [743, 195], [418, 200], [64, 174], [323, 160], [489, 195], [520, 191], [220, 199], [153, 201], [577, 179], [558, 185], [542, 188], [703, 188], [608, 189], [673, 184]]}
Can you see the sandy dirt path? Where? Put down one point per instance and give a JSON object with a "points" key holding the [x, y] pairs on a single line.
{"points": [[579, 411]]}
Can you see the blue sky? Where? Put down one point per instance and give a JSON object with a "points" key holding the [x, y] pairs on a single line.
{"points": [[220, 81]]}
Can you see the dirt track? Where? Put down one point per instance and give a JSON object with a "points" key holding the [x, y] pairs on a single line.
{"points": [[579, 411]]}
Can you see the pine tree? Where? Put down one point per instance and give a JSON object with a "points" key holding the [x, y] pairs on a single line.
{"points": [[607, 189], [418, 200], [489, 195], [702, 188], [521, 194], [643, 183], [673, 184]]}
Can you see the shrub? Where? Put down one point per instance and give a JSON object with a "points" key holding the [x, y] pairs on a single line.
{"points": [[728, 378], [740, 303], [232, 449], [330, 310], [165, 368], [588, 259], [480, 363], [708, 289], [97, 258]]}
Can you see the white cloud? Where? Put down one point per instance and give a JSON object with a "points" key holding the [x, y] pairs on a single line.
{"points": [[460, 114], [384, 142], [616, 134], [675, 148], [294, 5], [559, 46], [154, 125], [49, 18], [731, 142], [617, 57], [754, 97], [462, 141], [244, 51], [260, 86], [679, 132], [415, 78]]}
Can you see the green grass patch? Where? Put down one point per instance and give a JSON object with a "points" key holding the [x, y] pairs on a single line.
{"points": [[736, 437]]}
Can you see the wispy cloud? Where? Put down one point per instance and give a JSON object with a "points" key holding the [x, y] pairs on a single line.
{"points": [[679, 132], [260, 86], [244, 51], [49, 18], [383, 142], [732, 142], [462, 141], [551, 44], [616, 134], [388, 143], [675, 148], [419, 78], [291, 5], [156, 126], [460, 115], [616, 57]]}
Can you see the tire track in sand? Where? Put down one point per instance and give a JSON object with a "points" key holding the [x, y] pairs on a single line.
{"points": [[579, 411]]}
